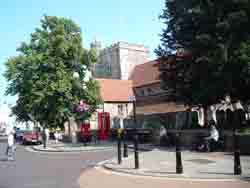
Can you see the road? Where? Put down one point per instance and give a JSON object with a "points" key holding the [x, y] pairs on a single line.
{"points": [[43, 170]]}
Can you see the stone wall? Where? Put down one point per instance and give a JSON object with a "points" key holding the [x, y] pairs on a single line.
{"points": [[119, 60]]}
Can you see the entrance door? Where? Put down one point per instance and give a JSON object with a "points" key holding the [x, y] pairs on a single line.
{"points": [[104, 125]]}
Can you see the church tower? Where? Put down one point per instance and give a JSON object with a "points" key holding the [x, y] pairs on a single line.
{"points": [[118, 60]]}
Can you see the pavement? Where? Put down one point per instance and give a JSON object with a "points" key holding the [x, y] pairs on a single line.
{"points": [[162, 163], [52, 146], [96, 178]]}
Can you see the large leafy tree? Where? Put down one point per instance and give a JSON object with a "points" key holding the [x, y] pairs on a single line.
{"points": [[210, 42], [41, 76]]}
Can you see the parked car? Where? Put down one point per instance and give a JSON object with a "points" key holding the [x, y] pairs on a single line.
{"points": [[32, 137], [19, 135], [3, 134]]}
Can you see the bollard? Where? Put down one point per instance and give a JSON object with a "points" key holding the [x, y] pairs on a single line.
{"points": [[136, 152], [85, 140], [125, 145], [119, 152], [237, 165], [179, 168]]}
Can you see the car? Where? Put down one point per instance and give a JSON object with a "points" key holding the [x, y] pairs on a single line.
{"points": [[3, 133], [19, 135], [32, 137]]}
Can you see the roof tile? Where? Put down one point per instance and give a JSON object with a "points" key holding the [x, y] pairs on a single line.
{"points": [[113, 90]]}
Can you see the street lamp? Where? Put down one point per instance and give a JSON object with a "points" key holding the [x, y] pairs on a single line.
{"points": [[83, 107], [76, 75]]}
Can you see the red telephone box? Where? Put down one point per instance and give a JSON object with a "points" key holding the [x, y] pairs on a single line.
{"points": [[85, 130], [104, 125]]}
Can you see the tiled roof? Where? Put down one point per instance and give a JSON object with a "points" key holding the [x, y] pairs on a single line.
{"points": [[145, 74], [113, 90]]}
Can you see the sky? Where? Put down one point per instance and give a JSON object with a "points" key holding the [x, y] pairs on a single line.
{"points": [[108, 21]]}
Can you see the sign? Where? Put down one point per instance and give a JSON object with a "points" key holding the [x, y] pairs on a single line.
{"points": [[132, 98]]}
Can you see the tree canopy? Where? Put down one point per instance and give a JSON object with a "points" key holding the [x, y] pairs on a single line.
{"points": [[41, 75], [210, 42]]}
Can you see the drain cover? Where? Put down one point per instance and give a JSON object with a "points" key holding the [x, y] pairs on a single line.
{"points": [[201, 161]]}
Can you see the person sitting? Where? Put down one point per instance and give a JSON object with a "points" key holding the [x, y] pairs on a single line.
{"points": [[212, 140]]}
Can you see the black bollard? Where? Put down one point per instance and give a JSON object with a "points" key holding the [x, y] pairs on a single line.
{"points": [[179, 168], [44, 139], [125, 145], [44, 144], [85, 140], [119, 151], [237, 165], [136, 152]]}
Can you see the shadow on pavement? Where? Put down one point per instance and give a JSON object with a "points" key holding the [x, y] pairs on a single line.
{"points": [[245, 179], [218, 173]]}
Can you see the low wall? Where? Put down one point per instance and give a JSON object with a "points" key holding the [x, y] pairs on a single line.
{"points": [[244, 142], [190, 137]]}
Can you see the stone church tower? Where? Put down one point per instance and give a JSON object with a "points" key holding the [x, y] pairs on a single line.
{"points": [[119, 60]]}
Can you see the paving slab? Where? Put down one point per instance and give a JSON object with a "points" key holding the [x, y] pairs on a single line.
{"points": [[162, 163]]}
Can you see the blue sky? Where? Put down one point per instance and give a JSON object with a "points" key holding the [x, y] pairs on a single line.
{"points": [[107, 21]]}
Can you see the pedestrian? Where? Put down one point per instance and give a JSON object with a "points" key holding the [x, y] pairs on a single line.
{"points": [[212, 140], [11, 146], [56, 135], [47, 134], [60, 136]]}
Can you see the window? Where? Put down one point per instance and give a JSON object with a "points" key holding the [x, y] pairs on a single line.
{"points": [[142, 92], [120, 109], [150, 91]]}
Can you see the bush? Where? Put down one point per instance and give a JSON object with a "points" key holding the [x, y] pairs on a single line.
{"points": [[245, 130]]}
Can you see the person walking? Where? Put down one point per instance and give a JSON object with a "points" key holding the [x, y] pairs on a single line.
{"points": [[47, 134], [11, 147]]}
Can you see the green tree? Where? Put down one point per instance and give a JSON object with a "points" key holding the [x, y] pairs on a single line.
{"points": [[210, 43], [41, 76]]}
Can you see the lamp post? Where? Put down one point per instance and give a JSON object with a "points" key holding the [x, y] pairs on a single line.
{"points": [[136, 152], [240, 118], [133, 100], [83, 106], [179, 167]]}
